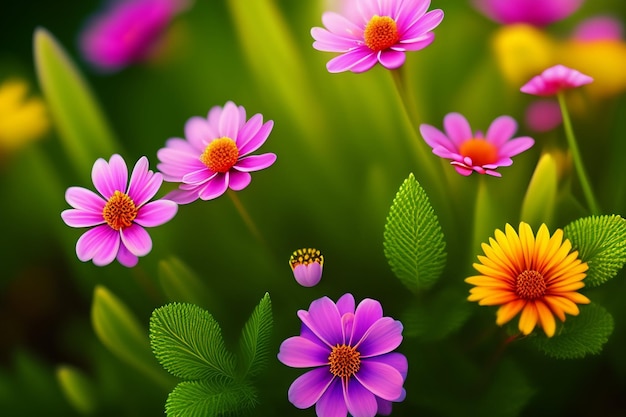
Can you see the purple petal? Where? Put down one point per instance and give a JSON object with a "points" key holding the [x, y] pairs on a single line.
{"points": [[516, 146], [409, 13], [332, 404], [238, 180], [156, 213], [307, 389], [255, 162], [324, 320], [199, 132], [384, 406], [340, 25], [101, 243], [423, 25], [300, 352], [345, 304], [126, 258], [367, 313], [599, 28], [175, 163], [215, 187], [144, 184], [462, 169], [415, 44], [380, 379], [457, 128], [360, 402], [229, 122], [136, 239], [248, 130], [345, 62], [382, 337], [83, 199], [110, 177], [435, 138], [326, 41], [391, 59], [81, 218], [501, 129], [395, 359], [254, 142], [198, 177], [182, 196]]}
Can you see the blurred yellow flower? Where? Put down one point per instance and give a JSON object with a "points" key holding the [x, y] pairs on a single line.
{"points": [[22, 118]]}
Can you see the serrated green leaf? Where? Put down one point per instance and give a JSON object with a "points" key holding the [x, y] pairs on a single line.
{"points": [[181, 284], [413, 241], [540, 199], [188, 342], [83, 131], [579, 336], [119, 330], [601, 242], [78, 389], [255, 338], [210, 398]]}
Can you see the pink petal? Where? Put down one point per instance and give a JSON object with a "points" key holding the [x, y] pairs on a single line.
{"points": [[255, 162], [99, 244], [324, 321], [83, 199], [198, 177], [229, 122], [367, 313], [409, 13], [182, 196], [126, 258], [359, 400], [307, 389], [254, 142], [332, 404], [415, 44], [516, 146], [543, 115], [299, 352], [462, 169], [110, 177], [156, 213], [248, 130], [395, 359], [347, 61], [81, 218], [215, 187], [199, 132], [391, 59], [382, 337], [423, 25], [308, 275], [435, 138], [380, 379], [144, 184], [214, 117], [339, 25], [345, 304], [599, 28], [457, 128], [331, 42], [136, 239], [501, 129], [175, 163], [238, 180]]}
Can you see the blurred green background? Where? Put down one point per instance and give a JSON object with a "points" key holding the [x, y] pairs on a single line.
{"points": [[344, 147]]}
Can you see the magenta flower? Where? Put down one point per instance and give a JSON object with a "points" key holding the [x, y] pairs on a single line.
{"points": [[599, 28], [379, 31], [533, 12], [554, 80], [119, 214], [306, 265], [215, 155], [351, 351], [543, 115], [126, 32], [471, 152]]}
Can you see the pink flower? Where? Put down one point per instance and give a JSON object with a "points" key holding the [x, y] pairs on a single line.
{"points": [[599, 28], [307, 265], [471, 152], [215, 155], [380, 31], [543, 115], [126, 32], [554, 80], [534, 12], [119, 214]]}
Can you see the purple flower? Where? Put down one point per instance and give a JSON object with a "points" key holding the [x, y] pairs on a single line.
{"points": [[126, 32], [351, 351], [534, 12], [379, 31], [119, 214], [307, 265], [215, 155], [599, 28], [471, 152], [554, 80], [543, 115]]}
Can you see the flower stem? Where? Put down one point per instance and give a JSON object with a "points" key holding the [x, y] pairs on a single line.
{"points": [[245, 216], [578, 162]]}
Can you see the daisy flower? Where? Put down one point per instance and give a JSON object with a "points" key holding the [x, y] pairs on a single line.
{"points": [[554, 80], [534, 12], [118, 215], [536, 275], [351, 351], [379, 31], [473, 152], [307, 265], [215, 154]]}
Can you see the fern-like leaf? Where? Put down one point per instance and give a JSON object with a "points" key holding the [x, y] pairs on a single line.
{"points": [[188, 342], [255, 338], [601, 242], [413, 241], [208, 398]]}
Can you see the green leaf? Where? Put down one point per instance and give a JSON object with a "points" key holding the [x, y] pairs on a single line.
{"points": [[83, 130], [540, 199], [601, 242], [413, 240], [78, 389], [181, 284], [210, 398], [579, 336], [119, 330], [188, 342], [255, 338]]}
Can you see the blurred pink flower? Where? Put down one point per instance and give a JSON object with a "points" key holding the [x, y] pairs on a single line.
{"points": [[533, 12], [543, 115], [473, 152], [554, 80], [119, 214], [307, 265], [126, 32], [381, 31], [599, 28], [215, 155]]}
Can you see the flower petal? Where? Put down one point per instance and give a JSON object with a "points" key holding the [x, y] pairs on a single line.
{"points": [[229, 121], [182, 196], [367, 313], [144, 184], [300, 352], [199, 132], [83, 199], [382, 337], [81, 218], [136, 239], [110, 177], [331, 403], [345, 304], [238, 180], [255, 162], [126, 258], [457, 128], [215, 187], [501, 129], [391, 59], [256, 140], [351, 59], [360, 402], [156, 213], [307, 389], [324, 321], [101, 242], [380, 379]]}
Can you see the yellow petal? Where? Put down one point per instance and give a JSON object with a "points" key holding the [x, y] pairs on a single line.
{"points": [[528, 319], [508, 311], [546, 319]]}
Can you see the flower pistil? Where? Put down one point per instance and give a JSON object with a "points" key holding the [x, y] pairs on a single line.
{"points": [[119, 211], [381, 33]]}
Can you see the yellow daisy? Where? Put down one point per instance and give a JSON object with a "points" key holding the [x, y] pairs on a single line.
{"points": [[535, 275]]}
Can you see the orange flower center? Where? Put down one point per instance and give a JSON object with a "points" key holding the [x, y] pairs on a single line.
{"points": [[220, 155], [381, 33], [120, 211], [530, 285], [344, 361], [305, 257], [480, 151]]}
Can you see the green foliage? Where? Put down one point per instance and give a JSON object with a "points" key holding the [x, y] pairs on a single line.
{"points": [[188, 342], [78, 389], [601, 242], [413, 241], [540, 199], [579, 336]]}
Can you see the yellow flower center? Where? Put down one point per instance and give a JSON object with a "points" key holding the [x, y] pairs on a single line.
{"points": [[305, 257], [344, 360], [120, 211], [381, 33], [530, 285], [479, 151], [220, 155]]}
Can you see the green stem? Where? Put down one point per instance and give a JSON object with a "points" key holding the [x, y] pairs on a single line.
{"points": [[245, 216], [578, 162]]}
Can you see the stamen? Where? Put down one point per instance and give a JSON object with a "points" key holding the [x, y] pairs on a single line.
{"points": [[344, 360], [381, 33], [530, 285], [120, 211], [306, 256], [220, 155]]}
